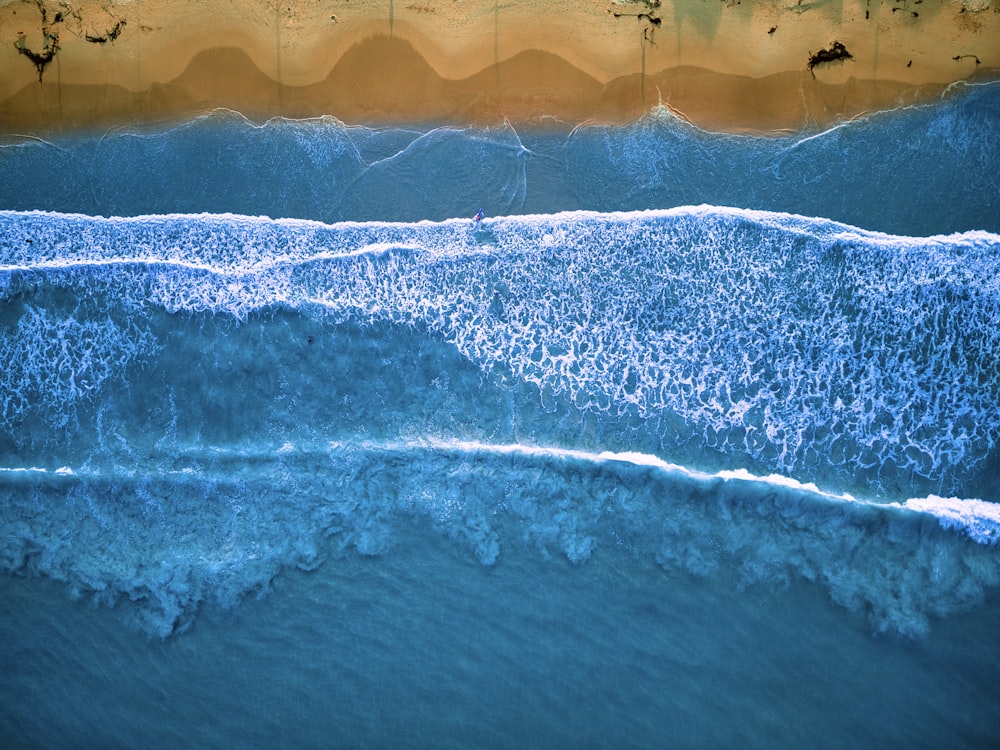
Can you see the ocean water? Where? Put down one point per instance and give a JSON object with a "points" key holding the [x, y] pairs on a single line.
{"points": [[693, 441]]}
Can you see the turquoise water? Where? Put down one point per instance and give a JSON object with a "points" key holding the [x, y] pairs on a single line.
{"points": [[692, 441]]}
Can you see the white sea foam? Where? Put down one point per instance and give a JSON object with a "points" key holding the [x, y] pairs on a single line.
{"points": [[54, 362], [979, 519], [795, 341]]}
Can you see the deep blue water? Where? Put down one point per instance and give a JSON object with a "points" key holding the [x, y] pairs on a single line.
{"points": [[691, 442]]}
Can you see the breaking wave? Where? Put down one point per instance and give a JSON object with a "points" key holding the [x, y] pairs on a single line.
{"points": [[220, 523]]}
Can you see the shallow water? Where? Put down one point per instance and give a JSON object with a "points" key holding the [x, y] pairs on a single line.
{"points": [[689, 476], [916, 171]]}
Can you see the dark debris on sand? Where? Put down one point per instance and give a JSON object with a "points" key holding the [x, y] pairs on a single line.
{"points": [[836, 52], [109, 36]]}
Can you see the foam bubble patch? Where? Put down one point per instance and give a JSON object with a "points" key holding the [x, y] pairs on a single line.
{"points": [[815, 349]]}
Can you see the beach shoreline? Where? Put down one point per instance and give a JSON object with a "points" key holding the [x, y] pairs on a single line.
{"points": [[722, 65]]}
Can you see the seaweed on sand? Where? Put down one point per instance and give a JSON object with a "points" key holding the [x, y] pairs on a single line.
{"points": [[40, 59], [109, 36], [836, 52], [50, 44]]}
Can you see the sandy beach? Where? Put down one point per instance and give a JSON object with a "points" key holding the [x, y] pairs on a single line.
{"points": [[765, 65]]}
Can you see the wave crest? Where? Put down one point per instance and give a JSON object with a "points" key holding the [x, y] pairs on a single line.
{"points": [[214, 525]]}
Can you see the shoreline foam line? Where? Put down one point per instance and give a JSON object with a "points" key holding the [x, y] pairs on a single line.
{"points": [[813, 226]]}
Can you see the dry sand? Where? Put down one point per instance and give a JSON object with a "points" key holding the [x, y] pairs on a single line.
{"points": [[736, 65]]}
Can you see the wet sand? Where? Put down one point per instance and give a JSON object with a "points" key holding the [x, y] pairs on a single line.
{"points": [[724, 65]]}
